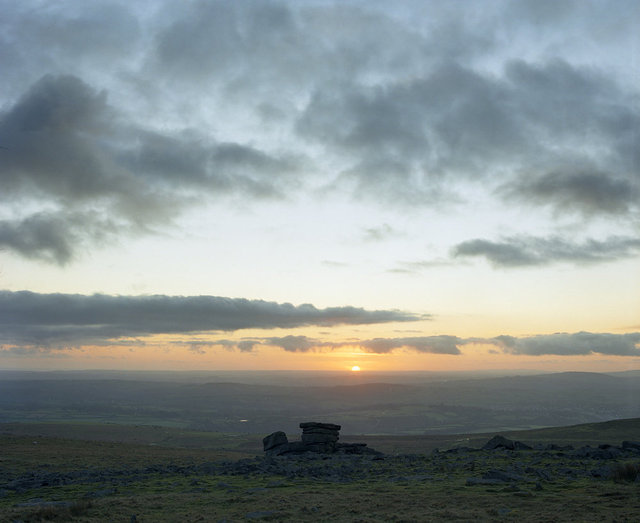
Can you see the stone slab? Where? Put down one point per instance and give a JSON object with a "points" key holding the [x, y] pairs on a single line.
{"points": [[318, 425], [317, 430], [319, 438]]}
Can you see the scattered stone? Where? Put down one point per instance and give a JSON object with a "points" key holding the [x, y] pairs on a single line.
{"points": [[483, 481], [459, 450], [503, 476], [260, 514], [610, 452], [626, 445]]}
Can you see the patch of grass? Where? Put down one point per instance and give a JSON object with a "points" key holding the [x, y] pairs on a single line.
{"points": [[24, 453], [57, 513], [625, 472]]}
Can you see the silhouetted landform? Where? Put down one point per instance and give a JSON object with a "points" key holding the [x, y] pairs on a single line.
{"points": [[318, 438]]}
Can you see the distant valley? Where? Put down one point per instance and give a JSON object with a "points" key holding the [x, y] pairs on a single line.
{"points": [[251, 403]]}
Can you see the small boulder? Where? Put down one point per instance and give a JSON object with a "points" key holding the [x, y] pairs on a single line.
{"points": [[274, 440], [499, 442]]}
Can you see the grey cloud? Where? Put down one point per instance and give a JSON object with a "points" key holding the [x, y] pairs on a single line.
{"points": [[587, 191], [29, 352], [278, 48], [49, 319], [427, 344], [244, 345], [65, 147], [523, 251], [197, 348], [454, 121], [247, 345], [199, 345], [576, 344], [403, 107], [53, 237], [37, 237], [293, 343], [380, 233], [392, 105], [51, 137], [70, 37], [188, 162]]}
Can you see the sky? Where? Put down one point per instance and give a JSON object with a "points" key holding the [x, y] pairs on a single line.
{"points": [[314, 185]]}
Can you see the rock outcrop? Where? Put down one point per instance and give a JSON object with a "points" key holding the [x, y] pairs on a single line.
{"points": [[319, 438], [500, 442]]}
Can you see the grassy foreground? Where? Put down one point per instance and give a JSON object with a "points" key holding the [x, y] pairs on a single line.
{"points": [[112, 473]]}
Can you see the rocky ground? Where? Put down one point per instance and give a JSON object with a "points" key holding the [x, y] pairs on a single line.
{"points": [[502, 480]]}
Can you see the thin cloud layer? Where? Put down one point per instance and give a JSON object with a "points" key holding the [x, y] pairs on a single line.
{"points": [[559, 344], [45, 319], [424, 344], [577, 344]]}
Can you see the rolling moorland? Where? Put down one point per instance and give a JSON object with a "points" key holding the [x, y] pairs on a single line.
{"points": [[90, 472], [131, 447], [254, 403]]}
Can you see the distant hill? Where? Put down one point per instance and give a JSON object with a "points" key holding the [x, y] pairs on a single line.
{"points": [[430, 406]]}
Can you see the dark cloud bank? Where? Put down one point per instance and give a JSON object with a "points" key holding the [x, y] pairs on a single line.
{"points": [[45, 319], [31, 323]]}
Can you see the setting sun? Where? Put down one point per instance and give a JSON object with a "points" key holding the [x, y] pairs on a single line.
{"points": [[355, 368]]}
